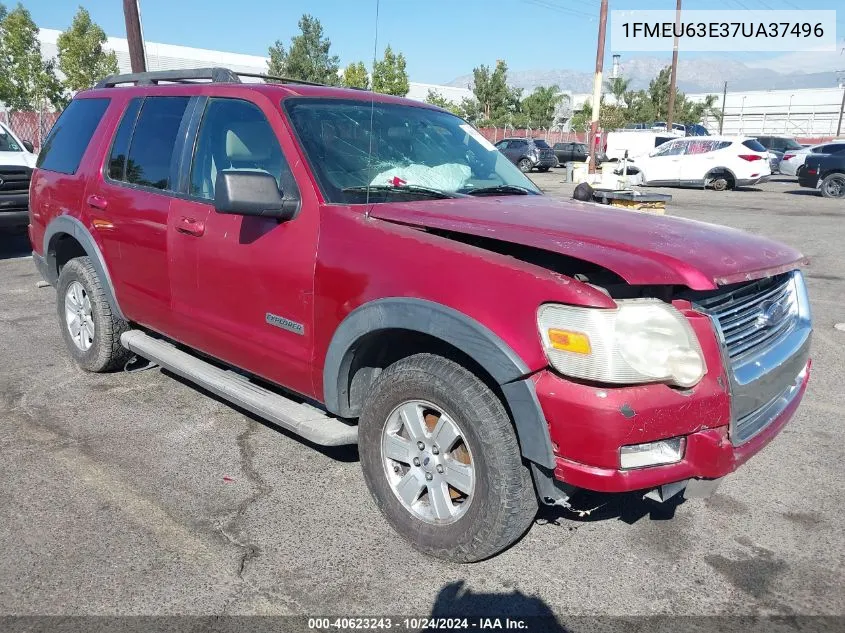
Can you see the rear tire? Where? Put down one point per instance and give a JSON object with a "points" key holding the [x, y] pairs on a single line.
{"points": [[491, 507], [89, 326], [833, 186]]}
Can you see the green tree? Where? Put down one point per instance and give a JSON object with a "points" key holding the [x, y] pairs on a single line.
{"points": [[497, 102], [435, 98], [355, 76], [618, 86], [28, 82], [611, 117], [389, 75], [308, 58], [539, 107], [81, 56]]}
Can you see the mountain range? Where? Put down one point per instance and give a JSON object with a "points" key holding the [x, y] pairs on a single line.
{"points": [[694, 76]]}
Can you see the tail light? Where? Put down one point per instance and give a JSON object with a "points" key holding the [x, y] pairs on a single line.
{"points": [[812, 171], [788, 156], [751, 157]]}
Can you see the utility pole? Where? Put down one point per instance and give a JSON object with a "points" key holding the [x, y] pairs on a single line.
{"points": [[135, 36], [724, 97], [674, 80], [594, 120], [842, 106]]}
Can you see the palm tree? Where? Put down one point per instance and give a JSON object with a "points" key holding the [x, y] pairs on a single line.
{"points": [[618, 86]]}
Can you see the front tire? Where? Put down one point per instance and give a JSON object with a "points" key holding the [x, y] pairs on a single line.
{"points": [[833, 186], [442, 462], [524, 165], [90, 328]]}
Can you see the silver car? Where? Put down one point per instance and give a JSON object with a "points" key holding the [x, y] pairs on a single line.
{"points": [[794, 160]]}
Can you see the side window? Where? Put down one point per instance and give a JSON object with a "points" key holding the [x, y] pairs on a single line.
{"points": [[235, 134], [69, 138], [501, 145], [674, 148], [120, 144], [153, 140], [7, 143]]}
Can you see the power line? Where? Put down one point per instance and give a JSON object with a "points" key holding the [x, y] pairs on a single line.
{"points": [[547, 4]]}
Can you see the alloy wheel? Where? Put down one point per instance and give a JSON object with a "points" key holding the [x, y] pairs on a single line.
{"points": [[428, 462], [79, 317]]}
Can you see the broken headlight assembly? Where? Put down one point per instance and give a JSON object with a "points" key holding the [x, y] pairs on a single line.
{"points": [[642, 340]]}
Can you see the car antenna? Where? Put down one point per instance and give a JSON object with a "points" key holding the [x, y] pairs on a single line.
{"points": [[372, 112]]}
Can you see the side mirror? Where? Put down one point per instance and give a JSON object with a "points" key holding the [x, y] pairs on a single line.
{"points": [[28, 146], [253, 193]]}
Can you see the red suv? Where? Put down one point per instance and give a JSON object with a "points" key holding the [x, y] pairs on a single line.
{"points": [[362, 269]]}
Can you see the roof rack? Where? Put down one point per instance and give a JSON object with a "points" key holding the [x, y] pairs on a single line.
{"points": [[215, 75]]}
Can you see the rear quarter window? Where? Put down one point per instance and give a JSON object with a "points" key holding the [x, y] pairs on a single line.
{"points": [[541, 144], [754, 145], [69, 138]]}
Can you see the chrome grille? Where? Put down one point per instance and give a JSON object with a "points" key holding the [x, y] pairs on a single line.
{"points": [[755, 316], [764, 328]]}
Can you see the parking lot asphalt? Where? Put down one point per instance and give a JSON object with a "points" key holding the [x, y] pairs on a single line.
{"points": [[135, 493]]}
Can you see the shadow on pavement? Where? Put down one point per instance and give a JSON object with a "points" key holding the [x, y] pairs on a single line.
{"points": [[804, 192], [14, 242], [627, 507], [455, 601]]}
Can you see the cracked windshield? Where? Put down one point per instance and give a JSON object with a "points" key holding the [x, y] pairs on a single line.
{"points": [[363, 151]]}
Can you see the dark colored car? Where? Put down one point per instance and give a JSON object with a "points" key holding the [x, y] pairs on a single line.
{"points": [[528, 153], [362, 269], [575, 152], [825, 172], [778, 145]]}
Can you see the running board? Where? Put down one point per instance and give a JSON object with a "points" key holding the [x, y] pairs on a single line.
{"points": [[311, 423]]}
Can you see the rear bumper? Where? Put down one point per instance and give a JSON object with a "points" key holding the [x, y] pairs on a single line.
{"points": [[590, 424], [749, 182], [810, 181], [546, 162]]}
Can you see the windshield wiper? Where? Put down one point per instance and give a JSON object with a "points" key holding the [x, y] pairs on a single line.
{"points": [[412, 189], [500, 189]]}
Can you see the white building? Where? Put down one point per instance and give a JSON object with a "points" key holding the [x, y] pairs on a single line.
{"points": [[173, 57]]}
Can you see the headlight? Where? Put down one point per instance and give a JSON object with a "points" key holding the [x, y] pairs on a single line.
{"points": [[643, 340]]}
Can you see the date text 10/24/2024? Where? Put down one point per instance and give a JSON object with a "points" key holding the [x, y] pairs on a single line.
{"points": [[416, 624]]}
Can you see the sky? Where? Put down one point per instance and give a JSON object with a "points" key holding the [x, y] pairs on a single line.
{"points": [[441, 39]]}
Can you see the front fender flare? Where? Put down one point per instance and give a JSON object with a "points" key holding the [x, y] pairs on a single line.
{"points": [[462, 332], [69, 225]]}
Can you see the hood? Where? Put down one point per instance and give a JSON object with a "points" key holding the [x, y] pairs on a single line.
{"points": [[22, 159], [642, 249]]}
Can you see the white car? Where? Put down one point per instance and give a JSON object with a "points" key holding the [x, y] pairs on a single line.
{"points": [[16, 163], [793, 160], [14, 151], [721, 162]]}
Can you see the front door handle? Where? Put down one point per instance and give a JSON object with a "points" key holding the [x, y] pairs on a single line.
{"points": [[97, 202], [190, 226]]}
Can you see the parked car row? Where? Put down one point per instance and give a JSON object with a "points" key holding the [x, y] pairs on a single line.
{"points": [[661, 159]]}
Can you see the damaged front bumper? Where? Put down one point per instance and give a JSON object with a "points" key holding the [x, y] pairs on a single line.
{"points": [[589, 425]]}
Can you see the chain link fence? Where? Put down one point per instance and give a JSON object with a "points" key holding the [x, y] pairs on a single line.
{"points": [[30, 126], [495, 134]]}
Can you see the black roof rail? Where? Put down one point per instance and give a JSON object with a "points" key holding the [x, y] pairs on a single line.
{"points": [[190, 75], [214, 74], [284, 80]]}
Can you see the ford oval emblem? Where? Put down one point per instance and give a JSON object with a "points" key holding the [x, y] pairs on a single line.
{"points": [[770, 313]]}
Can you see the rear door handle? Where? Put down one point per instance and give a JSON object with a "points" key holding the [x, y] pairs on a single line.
{"points": [[190, 226], [97, 202]]}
